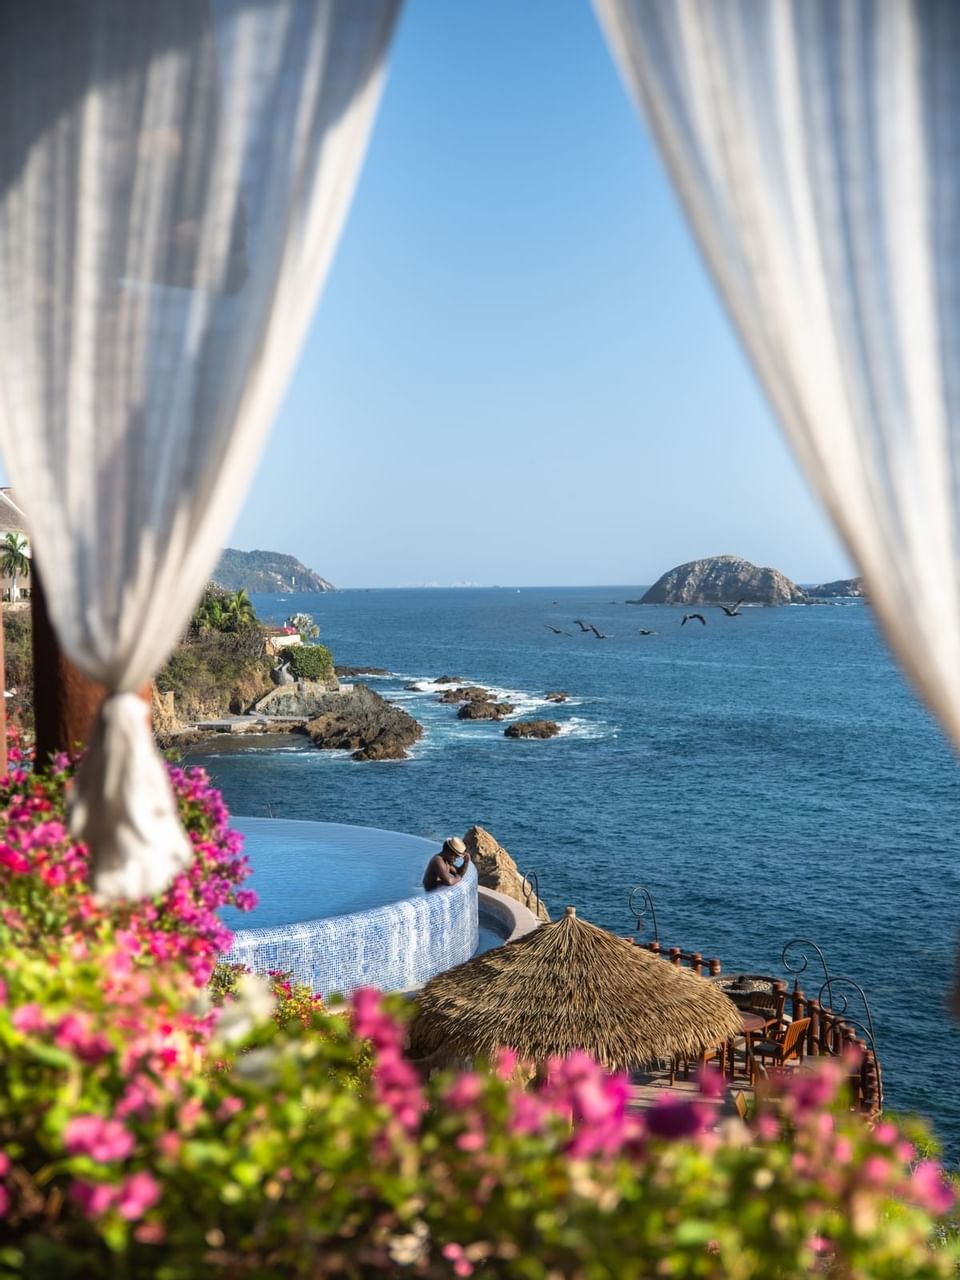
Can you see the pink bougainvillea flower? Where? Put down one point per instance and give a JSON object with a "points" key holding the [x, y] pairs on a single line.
{"points": [[102, 1139], [29, 1019], [677, 1119], [139, 1192], [93, 1198], [929, 1188], [73, 1032]]}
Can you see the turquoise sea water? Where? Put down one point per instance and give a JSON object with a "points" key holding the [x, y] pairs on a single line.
{"points": [[766, 777]]}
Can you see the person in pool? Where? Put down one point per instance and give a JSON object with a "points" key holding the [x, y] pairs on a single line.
{"points": [[448, 866]]}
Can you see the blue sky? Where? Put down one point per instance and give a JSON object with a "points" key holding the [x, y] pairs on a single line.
{"points": [[519, 372]]}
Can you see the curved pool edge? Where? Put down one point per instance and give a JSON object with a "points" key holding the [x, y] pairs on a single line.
{"points": [[394, 948]]}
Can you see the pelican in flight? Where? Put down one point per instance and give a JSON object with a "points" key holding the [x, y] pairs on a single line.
{"points": [[598, 634], [734, 612], [581, 624], [688, 617], [557, 631]]}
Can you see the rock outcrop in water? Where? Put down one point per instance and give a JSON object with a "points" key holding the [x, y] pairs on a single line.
{"points": [[482, 710], [364, 723], [532, 729], [557, 695], [301, 698], [466, 693], [722, 579], [497, 870]]}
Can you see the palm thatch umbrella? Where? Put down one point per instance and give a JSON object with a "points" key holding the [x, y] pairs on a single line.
{"points": [[571, 985]]}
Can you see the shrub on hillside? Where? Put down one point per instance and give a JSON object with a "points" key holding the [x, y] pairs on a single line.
{"points": [[18, 661], [148, 1130], [216, 673], [310, 661]]}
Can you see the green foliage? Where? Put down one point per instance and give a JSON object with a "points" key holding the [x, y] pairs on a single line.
{"points": [[310, 661], [216, 672], [149, 1133], [18, 659], [304, 624], [222, 611]]}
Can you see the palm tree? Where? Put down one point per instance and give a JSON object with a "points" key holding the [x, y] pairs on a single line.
{"points": [[14, 560], [238, 611]]}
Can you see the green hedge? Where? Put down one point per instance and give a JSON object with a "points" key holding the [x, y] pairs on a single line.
{"points": [[310, 661]]}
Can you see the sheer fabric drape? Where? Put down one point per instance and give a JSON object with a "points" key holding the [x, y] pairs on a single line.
{"points": [[815, 145], [173, 179]]}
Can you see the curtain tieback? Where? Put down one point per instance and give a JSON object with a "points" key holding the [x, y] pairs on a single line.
{"points": [[124, 808]]}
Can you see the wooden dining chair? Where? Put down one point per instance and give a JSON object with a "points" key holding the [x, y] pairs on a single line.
{"points": [[789, 1046], [769, 1005]]}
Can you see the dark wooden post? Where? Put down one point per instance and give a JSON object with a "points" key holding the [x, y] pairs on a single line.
{"points": [[813, 1031], [65, 702], [714, 964], [674, 954], [799, 1004], [696, 963]]}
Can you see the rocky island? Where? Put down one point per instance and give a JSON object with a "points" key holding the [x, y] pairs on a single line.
{"points": [[719, 579], [268, 571], [842, 587]]}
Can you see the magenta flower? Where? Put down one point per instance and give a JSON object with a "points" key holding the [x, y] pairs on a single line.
{"points": [[93, 1198], [139, 1192], [677, 1119], [104, 1140], [28, 1019], [930, 1189]]}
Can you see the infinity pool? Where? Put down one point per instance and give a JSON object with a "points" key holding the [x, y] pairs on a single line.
{"points": [[343, 907], [310, 870]]}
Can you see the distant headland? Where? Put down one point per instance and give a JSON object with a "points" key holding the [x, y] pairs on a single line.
{"points": [[268, 571]]}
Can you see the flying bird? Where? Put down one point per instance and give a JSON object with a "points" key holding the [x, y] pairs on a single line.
{"points": [[598, 634], [557, 631], [645, 631], [581, 624], [734, 612], [688, 617]]}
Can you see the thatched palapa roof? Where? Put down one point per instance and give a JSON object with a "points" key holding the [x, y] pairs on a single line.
{"points": [[571, 985]]}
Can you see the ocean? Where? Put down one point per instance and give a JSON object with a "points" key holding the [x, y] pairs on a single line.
{"points": [[766, 777]]}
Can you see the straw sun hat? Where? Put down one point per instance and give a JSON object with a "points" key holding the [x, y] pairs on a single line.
{"points": [[455, 845]]}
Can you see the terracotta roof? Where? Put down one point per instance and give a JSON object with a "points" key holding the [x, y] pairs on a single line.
{"points": [[12, 519]]}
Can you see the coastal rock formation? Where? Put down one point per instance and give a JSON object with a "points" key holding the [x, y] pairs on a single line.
{"points": [[497, 870], [364, 723], [485, 710], [449, 680], [466, 693], [842, 587], [723, 578], [557, 695], [347, 672], [266, 571], [302, 699], [532, 729], [163, 711]]}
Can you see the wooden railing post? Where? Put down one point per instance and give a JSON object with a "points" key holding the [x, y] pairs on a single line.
{"points": [[714, 964], [674, 954], [813, 1031]]}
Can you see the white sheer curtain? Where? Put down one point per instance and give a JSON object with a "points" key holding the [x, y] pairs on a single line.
{"points": [[815, 145], [174, 175]]}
